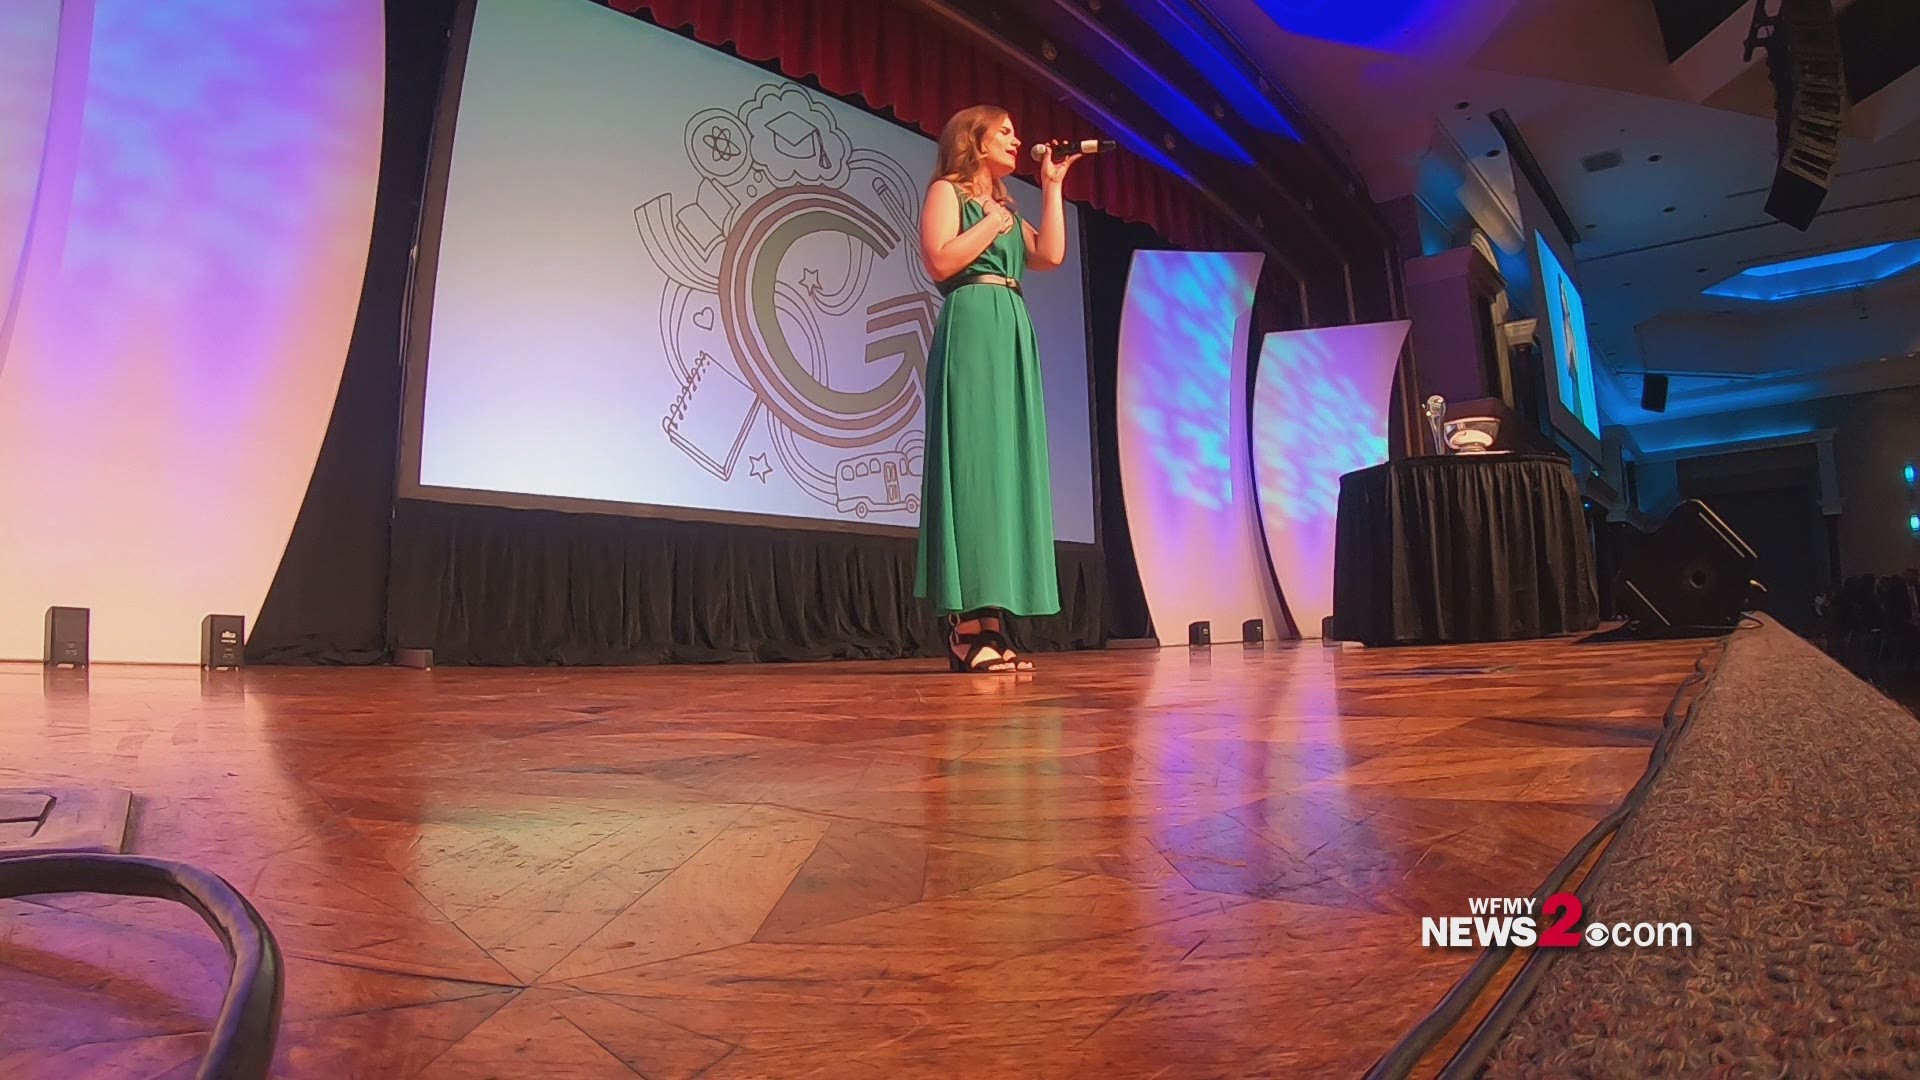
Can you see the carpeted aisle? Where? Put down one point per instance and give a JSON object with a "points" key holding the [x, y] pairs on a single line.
{"points": [[1786, 829]]}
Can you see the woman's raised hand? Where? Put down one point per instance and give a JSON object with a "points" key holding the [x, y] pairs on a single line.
{"points": [[1054, 170]]}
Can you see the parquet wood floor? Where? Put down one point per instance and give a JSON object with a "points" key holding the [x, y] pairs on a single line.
{"points": [[1138, 864]]}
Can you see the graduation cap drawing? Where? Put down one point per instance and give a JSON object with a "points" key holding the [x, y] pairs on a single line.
{"points": [[798, 137]]}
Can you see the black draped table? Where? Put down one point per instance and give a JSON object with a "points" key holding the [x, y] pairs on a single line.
{"points": [[1471, 547]]}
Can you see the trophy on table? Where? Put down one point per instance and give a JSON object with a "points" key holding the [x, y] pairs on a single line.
{"points": [[1436, 411]]}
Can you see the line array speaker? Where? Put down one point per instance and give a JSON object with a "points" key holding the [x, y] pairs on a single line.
{"points": [[1804, 59]]}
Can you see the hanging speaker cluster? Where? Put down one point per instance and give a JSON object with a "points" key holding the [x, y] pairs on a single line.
{"points": [[1810, 102]]}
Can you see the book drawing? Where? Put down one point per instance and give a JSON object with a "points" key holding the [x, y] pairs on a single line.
{"points": [[710, 417]]}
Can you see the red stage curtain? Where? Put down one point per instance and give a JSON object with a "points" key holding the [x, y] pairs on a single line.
{"points": [[898, 58]]}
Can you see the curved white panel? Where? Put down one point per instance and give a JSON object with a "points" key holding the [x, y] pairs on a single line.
{"points": [[188, 292], [1320, 408], [1183, 442], [29, 42]]}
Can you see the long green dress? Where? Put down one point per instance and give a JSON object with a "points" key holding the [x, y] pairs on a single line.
{"points": [[986, 501]]}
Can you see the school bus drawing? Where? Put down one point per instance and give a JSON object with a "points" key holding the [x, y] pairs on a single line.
{"points": [[880, 481]]}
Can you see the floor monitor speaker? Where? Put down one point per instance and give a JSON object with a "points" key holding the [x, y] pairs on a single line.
{"points": [[1692, 573], [67, 631]]}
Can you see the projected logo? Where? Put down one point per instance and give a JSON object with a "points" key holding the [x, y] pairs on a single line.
{"points": [[1511, 921], [794, 293]]}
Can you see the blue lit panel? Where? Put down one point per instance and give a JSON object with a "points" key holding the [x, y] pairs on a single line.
{"points": [[1835, 271], [1192, 120], [1320, 403], [1195, 122], [1913, 523], [1187, 118], [1184, 315], [1909, 474], [1355, 22], [1818, 262], [1708, 433], [1139, 144], [1182, 434], [1214, 61]]}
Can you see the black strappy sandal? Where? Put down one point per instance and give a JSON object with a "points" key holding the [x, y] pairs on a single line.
{"points": [[975, 644], [995, 635]]}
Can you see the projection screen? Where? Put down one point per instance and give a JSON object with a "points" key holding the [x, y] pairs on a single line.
{"points": [[662, 281]]}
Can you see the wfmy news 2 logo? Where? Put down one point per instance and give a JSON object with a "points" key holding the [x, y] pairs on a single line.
{"points": [[1511, 920]]}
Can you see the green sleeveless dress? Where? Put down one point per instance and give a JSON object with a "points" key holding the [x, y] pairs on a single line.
{"points": [[986, 501]]}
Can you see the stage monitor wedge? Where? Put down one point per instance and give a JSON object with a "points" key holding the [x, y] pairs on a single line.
{"points": [[1805, 62], [1692, 573]]}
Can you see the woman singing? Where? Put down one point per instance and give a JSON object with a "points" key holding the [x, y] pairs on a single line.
{"points": [[986, 508]]}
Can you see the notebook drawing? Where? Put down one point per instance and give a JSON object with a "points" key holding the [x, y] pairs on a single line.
{"points": [[710, 417]]}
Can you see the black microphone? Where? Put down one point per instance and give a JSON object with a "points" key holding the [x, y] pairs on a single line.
{"points": [[1062, 147]]}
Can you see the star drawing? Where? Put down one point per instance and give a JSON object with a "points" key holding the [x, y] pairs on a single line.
{"points": [[759, 467]]}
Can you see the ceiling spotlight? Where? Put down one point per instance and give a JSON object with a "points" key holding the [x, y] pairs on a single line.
{"points": [[1653, 157], [1669, 210]]}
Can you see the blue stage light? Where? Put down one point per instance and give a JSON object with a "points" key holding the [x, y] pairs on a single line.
{"points": [[1909, 475], [1834, 271], [1188, 118], [1213, 58], [1705, 436], [1816, 262], [1353, 22]]}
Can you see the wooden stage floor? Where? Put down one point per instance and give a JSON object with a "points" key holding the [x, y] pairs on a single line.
{"points": [[1142, 864]]}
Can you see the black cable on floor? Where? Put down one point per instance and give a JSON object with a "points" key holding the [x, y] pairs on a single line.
{"points": [[244, 1034], [1400, 1061]]}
